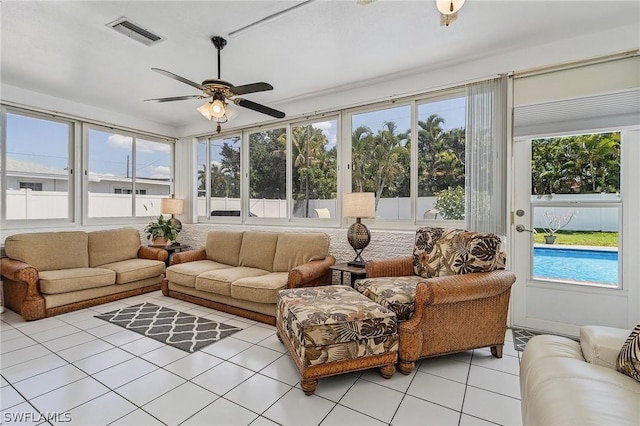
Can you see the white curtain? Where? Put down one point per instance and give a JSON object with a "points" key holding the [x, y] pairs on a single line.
{"points": [[485, 156]]}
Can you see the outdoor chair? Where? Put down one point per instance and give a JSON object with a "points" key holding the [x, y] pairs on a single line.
{"points": [[452, 295]]}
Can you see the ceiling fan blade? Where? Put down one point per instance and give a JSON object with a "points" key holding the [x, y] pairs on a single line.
{"points": [[176, 98], [258, 107], [177, 77], [250, 88]]}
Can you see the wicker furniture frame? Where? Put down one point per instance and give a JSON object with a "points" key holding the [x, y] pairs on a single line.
{"points": [[452, 314]]}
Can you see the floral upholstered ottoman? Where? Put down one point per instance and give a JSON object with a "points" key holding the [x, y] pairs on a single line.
{"points": [[333, 329]]}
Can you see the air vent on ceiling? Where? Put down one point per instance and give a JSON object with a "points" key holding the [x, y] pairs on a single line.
{"points": [[135, 31]]}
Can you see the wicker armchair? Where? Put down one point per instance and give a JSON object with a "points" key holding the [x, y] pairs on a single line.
{"points": [[442, 314]]}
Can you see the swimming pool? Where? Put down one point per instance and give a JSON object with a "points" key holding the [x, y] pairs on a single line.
{"points": [[586, 265]]}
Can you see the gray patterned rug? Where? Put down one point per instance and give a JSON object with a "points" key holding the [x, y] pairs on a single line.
{"points": [[522, 336], [183, 331]]}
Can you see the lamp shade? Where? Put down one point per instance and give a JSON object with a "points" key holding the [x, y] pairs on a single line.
{"points": [[171, 206], [358, 204]]}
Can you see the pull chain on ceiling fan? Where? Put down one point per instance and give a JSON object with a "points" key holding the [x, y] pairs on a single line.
{"points": [[220, 92]]}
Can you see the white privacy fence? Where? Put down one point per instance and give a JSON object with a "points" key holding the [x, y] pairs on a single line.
{"points": [[28, 204]]}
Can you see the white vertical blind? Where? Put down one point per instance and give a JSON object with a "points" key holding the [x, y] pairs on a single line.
{"points": [[485, 151]]}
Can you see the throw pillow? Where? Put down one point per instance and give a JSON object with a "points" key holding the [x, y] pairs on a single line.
{"points": [[629, 358], [426, 259]]}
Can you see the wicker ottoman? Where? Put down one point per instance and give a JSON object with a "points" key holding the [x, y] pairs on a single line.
{"points": [[333, 329]]}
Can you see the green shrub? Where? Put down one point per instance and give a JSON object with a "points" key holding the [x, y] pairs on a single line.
{"points": [[450, 202]]}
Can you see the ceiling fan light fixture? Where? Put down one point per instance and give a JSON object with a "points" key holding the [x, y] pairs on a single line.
{"points": [[212, 110]]}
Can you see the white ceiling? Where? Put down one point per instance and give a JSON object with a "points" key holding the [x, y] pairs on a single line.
{"points": [[64, 48]]}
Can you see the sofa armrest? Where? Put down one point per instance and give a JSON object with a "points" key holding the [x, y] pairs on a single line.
{"points": [[601, 345], [152, 253], [189, 256], [19, 271], [311, 273], [392, 267], [463, 287]]}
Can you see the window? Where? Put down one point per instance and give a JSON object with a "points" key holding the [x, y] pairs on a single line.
{"points": [[126, 175], [381, 159], [314, 172], [268, 173], [219, 177], [441, 159], [37, 149], [31, 185]]}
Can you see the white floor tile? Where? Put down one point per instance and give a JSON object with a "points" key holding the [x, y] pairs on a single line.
{"points": [[193, 365], [263, 421], [254, 334], [142, 346], [23, 355], [296, 408], [223, 377], [89, 323], [137, 418], [31, 368], [284, 370], [21, 414], [20, 342], [103, 360], [226, 348], [224, 412], [257, 393], [398, 381], [492, 407], [10, 397], [415, 411], [85, 350], [446, 367], [335, 387], [54, 333], [69, 341], [372, 399], [164, 355], [435, 389], [188, 397], [255, 358], [507, 364], [105, 330], [46, 382], [122, 373], [467, 420], [273, 343], [343, 416], [150, 386], [122, 337], [33, 327], [70, 396], [10, 333], [100, 411], [494, 381]]}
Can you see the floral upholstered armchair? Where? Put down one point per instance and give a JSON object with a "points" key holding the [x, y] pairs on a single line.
{"points": [[452, 295]]}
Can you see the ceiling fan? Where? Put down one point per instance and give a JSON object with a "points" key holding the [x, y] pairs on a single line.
{"points": [[221, 92]]}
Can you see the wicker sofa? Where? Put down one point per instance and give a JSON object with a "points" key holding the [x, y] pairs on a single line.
{"points": [[452, 295], [50, 273], [241, 272]]}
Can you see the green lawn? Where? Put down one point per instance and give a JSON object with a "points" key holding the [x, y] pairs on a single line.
{"points": [[581, 238]]}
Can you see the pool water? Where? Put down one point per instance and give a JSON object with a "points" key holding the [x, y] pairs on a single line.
{"points": [[595, 266]]}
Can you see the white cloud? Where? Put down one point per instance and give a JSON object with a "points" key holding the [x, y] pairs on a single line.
{"points": [[158, 172], [120, 141], [323, 125]]}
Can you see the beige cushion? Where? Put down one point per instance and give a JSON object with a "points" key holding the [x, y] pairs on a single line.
{"points": [[131, 270], [258, 249], [294, 249], [601, 345], [186, 273], [73, 279], [224, 247], [113, 245], [49, 250], [262, 289], [219, 281]]}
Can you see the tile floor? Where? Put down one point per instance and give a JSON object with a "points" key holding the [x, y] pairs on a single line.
{"points": [[75, 369]]}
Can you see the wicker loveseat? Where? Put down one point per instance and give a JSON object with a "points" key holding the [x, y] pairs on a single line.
{"points": [[241, 272], [452, 295], [50, 273]]}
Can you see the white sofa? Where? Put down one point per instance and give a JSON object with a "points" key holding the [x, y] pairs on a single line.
{"points": [[563, 382]]}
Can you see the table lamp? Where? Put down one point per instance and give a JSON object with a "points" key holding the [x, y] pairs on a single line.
{"points": [[172, 206], [358, 205]]}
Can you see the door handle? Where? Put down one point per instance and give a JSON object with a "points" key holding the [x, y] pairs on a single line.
{"points": [[521, 228]]}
